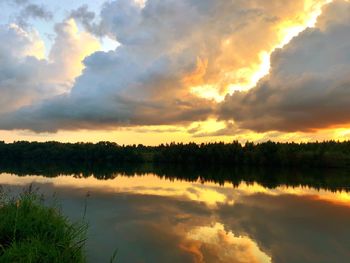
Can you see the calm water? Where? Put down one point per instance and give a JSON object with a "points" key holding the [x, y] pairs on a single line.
{"points": [[149, 219]]}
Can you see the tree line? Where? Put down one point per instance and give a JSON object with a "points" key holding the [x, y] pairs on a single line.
{"points": [[235, 154]]}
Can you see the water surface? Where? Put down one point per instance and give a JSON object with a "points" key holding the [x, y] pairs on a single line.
{"points": [[153, 219]]}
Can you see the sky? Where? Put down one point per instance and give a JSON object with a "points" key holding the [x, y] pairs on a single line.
{"points": [[160, 71]]}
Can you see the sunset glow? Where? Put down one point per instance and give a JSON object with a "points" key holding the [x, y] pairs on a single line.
{"points": [[190, 87]]}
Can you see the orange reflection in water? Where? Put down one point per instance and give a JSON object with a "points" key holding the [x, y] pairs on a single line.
{"points": [[208, 193], [207, 237], [223, 244]]}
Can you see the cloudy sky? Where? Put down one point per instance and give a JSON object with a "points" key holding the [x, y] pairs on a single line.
{"points": [[155, 71]]}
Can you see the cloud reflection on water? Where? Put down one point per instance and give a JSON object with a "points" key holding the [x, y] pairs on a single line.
{"points": [[209, 193], [154, 220], [222, 246]]}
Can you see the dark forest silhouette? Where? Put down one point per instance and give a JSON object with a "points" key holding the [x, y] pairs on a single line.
{"points": [[270, 164], [318, 154]]}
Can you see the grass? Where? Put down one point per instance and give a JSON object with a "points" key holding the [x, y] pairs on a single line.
{"points": [[32, 232]]}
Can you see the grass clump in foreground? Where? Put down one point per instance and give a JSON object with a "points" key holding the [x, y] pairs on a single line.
{"points": [[33, 232]]}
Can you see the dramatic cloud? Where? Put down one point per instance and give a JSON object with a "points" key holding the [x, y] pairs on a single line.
{"points": [[168, 49], [309, 82], [25, 77]]}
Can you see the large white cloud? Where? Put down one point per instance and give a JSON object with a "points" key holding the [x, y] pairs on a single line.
{"points": [[309, 82], [20, 64], [167, 47], [26, 77]]}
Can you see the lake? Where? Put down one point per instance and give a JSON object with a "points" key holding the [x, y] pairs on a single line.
{"points": [[184, 218]]}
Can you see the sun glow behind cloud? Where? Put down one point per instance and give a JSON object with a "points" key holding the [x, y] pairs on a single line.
{"points": [[73, 48], [253, 73]]}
